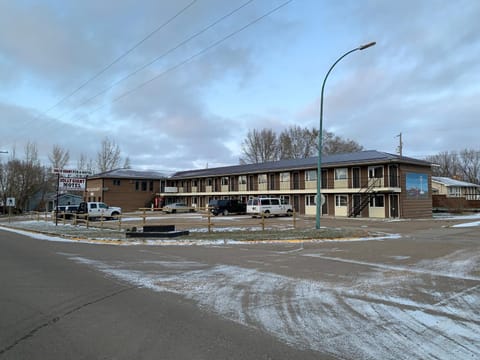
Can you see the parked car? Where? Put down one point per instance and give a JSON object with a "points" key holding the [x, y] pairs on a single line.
{"points": [[97, 210], [177, 208], [268, 207], [226, 207]]}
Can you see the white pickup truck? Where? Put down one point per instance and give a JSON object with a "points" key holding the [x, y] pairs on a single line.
{"points": [[268, 207], [97, 210]]}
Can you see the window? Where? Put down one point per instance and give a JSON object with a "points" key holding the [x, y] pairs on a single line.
{"points": [[341, 200], [262, 178], [341, 174], [224, 180], [377, 201], [151, 186], [310, 200], [375, 172], [209, 182], [141, 185], [275, 201], [311, 175], [264, 201], [285, 177], [242, 179], [116, 182], [454, 191]]}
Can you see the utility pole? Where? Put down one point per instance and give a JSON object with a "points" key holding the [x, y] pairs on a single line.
{"points": [[400, 145]]}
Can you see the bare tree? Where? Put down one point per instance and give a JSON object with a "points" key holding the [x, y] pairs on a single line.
{"points": [[84, 163], [296, 143], [59, 157], [333, 144], [259, 146], [470, 165], [445, 164], [22, 179], [108, 158]]}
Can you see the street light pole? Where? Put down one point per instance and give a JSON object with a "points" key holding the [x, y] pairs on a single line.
{"points": [[320, 135]]}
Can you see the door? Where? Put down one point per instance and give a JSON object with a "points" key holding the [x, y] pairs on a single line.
{"points": [[357, 200], [394, 206], [296, 180], [393, 175], [272, 182], [356, 177]]}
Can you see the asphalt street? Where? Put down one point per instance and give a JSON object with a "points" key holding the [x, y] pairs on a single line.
{"points": [[407, 297]]}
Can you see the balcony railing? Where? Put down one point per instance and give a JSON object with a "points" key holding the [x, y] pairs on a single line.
{"points": [[383, 182]]}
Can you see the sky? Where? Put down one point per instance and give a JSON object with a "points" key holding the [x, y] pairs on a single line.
{"points": [[177, 85]]}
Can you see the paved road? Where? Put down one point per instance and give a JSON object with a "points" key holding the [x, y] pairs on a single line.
{"points": [[411, 297]]}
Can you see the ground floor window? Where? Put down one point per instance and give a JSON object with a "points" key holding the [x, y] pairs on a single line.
{"points": [[341, 200], [310, 200], [377, 201]]}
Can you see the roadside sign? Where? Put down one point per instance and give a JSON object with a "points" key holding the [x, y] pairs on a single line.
{"points": [[71, 183], [11, 202], [72, 172]]}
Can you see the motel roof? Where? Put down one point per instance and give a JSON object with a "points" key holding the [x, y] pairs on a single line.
{"points": [[360, 157]]}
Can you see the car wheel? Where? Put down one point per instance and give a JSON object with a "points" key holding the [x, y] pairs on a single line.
{"points": [[225, 212], [174, 211]]}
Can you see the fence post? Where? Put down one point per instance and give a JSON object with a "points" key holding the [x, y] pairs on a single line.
{"points": [[294, 219], [120, 222], [144, 216], [263, 221], [209, 217]]}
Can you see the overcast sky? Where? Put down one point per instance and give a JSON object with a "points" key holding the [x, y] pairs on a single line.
{"points": [[75, 72]]}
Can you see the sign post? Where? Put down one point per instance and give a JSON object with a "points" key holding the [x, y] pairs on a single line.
{"points": [[69, 180], [10, 205]]}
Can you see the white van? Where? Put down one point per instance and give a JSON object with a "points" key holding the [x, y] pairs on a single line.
{"points": [[268, 206]]}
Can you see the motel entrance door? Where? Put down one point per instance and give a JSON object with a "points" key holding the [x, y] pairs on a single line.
{"points": [[394, 206]]}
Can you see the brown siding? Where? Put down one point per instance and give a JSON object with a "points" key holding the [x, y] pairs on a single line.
{"points": [[454, 203], [415, 208]]}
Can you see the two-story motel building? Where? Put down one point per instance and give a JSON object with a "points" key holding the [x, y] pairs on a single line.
{"points": [[364, 184]]}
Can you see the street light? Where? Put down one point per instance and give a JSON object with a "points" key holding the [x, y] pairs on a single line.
{"points": [[319, 165]]}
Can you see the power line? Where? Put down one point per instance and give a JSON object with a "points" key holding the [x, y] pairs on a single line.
{"points": [[121, 56], [127, 52], [169, 51], [197, 54]]}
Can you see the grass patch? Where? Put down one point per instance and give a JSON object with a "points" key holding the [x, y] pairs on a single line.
{"points": [[289, 234]]}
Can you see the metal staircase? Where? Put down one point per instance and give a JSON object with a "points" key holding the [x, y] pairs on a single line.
{"points": [[365, 194]]}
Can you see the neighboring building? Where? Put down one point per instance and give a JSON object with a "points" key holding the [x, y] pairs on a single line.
{"points": [[366, 183], [128, 189], [63, 200], [451, 194]]}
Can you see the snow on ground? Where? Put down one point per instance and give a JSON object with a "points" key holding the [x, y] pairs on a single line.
{"points": [[71, 233], [390, 313]]}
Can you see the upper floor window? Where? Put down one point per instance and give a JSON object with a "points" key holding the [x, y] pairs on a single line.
{"points": [[375, 172], [116, 182], [262, 178], [284, 177], [341, 174], [209, 182], [224, 180], [311, 175], [242, 179]]}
